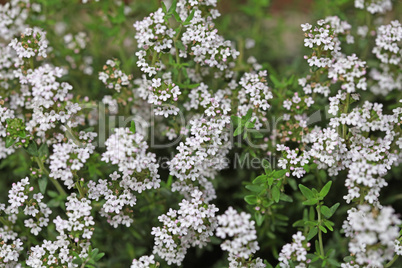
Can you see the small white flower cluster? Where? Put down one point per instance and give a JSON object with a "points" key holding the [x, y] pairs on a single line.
{"points": [[21, 195], [162, 93], [111, 103], [48, 98], [32, 43], [202, 41], [74, 236], [139, 172], [152, 34], [143, 262], [231, 224], [293, 160], [325, 37], [13, 15], [349, 70], [113, 77], [398, 247], [10, 247], [76, 42], [374, 6], [388, 50], [372, 233], [296, 252], [254, 94], [5, 114], [203, 153], [192, 225], [69, 157]]}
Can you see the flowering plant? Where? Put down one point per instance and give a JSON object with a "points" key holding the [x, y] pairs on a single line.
{"points": [[156, 135]]}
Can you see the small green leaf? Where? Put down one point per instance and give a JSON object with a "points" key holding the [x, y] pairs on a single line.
{"points": [[190, 17], [334, 208], [251, 199], [322, 228], [270, 181], [42, 181], [260, 179], [276, 193], [313, 232], [177, 16], [286, 198], [32, 149], [325, 190], [310, 202], [172, 7], [132, 127], [259, 219], [9, 141], [279, 173], [43, 150], [99, 256], [255, 188], [306, 192], [266, 165], [164, 9], [238, 131], [326, 211]]}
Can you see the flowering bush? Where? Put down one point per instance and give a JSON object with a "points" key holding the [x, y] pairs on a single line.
{"points": [[162, 134]]}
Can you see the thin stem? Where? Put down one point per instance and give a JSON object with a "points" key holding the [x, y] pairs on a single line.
{"points": [[320, 232], [71, 135], [392, 261], [55, 182], [80, 190], [345, 110]]}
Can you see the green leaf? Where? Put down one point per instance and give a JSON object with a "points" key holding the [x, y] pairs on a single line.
{"points": [[260, 179], [189, 18], [251, 199], [322, 228], [299, 223], [334, 208], [310, 202], [9, 141], [276, 193], [286, 198], [279, 173], [43, 150], [164, 9], [266, 165], [32, 149], [99, 256], [313, 232], [307, 193], [172, 7], [259, 219], [325, 190], [328, 225], [132, 127], [169, 181], [42, 181], [238, 131], [255, 188], [270, 181], [247, 117], [177, 16], [52, 194], [326, 212]]}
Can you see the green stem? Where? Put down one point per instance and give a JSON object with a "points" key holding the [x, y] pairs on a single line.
{"points": [[392, 261], [80, 190], [320, 232], [345, 110], [70, 134], [154, 57], [55, 182]]}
